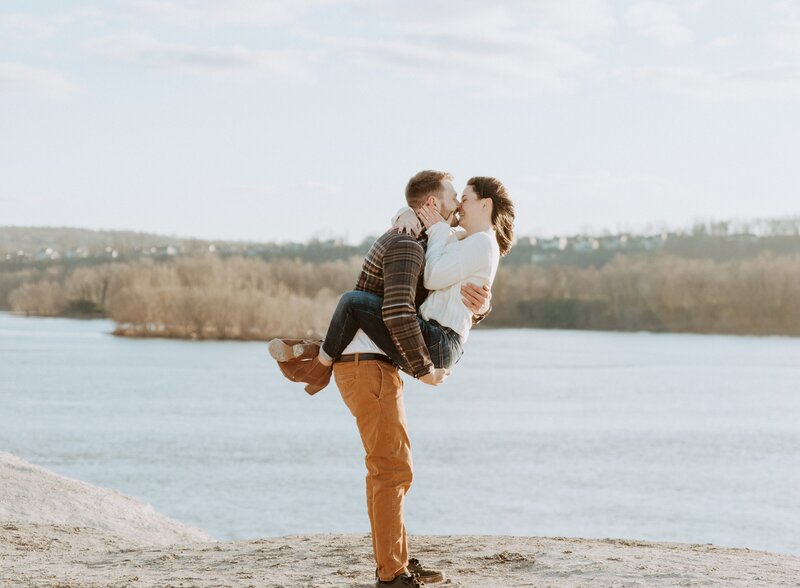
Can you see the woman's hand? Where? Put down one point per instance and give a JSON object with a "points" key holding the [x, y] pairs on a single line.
{"points": [[430, 215], [435, 377], [409, 223]]}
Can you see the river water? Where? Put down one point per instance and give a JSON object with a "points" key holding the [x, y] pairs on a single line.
{"points": [[561, 433]]}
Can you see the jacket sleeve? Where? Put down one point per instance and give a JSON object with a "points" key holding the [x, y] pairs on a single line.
{"points": [[402, 264]]}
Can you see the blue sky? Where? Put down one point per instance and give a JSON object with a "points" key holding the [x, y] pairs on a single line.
{"points": [[276, 121]]}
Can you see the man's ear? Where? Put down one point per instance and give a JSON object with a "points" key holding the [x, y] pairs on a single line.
{"points": [[433, 201]]}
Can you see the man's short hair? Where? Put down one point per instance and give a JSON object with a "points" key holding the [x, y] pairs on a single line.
{"points": [[424, 185]]}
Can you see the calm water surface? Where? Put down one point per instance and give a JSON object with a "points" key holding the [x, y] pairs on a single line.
{"points": [[659, 437]]}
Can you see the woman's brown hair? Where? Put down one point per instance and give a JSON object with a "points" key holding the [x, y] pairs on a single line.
{"points": [[502, 209]]}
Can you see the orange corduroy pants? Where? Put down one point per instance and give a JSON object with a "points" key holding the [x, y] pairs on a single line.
{"points": [[373, 391]]}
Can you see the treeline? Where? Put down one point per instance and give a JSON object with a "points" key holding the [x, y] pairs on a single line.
{"points": [[241, 298], [205, 297], [658, 292]]}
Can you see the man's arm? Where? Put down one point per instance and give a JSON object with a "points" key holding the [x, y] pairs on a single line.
{"points": [[403, 261], [478, 299]]}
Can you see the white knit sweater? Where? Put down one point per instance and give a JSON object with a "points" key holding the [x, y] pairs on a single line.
{"points": [[450, 261]]}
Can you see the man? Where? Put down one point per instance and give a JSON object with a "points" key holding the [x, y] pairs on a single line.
{"points": [[371, 387]]}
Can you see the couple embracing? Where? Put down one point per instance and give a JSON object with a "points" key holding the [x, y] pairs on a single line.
{"points": [[423, 284]]}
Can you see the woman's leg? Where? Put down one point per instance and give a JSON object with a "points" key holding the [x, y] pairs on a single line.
{"points": [[446, 348], [363, 310], [358, 310]]}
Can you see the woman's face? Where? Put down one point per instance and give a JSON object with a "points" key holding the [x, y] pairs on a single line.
{"points": [[472, 211]]}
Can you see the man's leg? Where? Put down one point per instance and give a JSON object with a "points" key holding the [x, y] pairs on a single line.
{"points": [[373, 391], [371, 515]]}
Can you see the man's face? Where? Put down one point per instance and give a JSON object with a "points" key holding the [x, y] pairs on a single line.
{"points": [[448, 204]]}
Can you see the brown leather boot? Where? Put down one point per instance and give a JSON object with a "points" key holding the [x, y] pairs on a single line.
{"points": [[317, 377], [307, 349], [294, 370], [289, 349], [310, 371]]}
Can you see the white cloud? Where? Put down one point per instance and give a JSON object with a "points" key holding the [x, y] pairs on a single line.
{"points": [[509, 47], [658, 21], [766, 82], [504, 48], [16, 78], [26, 24], [593, 18], [561, 19], [723, 41], [696, 6], [784, 31], [235, 62], [241, 12], [511, 65]]}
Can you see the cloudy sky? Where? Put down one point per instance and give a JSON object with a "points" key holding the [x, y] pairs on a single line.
{"points": [[278, 120]]}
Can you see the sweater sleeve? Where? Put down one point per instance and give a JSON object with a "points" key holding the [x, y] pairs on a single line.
{"points": [[400, 213], [448, 262]]}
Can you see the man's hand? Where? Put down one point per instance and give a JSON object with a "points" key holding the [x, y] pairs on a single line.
{"points": [[435, 377], [477, 299]]}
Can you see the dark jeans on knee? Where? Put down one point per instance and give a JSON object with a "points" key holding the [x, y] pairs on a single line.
{"points": [[362, 310]]}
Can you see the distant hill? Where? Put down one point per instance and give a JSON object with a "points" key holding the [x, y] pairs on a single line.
{"points": [[34, 238], [721, 241], [21, 246]]}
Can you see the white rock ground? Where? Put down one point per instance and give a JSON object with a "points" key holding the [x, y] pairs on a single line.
{"points": [[62, 533], [32, 494]]}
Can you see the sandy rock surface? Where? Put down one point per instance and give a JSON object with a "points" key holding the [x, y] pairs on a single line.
{"points": [[65, 556], [61, 533], [32, 494]]}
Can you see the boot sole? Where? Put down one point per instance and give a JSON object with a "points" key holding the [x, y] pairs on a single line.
{"points": [[280, 351], [305, 351]]}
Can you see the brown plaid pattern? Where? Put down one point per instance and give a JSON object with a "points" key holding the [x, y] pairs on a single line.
{"points": [[393, 269]]}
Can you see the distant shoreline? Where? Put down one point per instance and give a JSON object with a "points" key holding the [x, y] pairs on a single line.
{"points": [[140, 334]]}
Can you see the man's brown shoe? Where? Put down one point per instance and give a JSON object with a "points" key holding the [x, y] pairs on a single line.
{"points": [[401, 581], [426, 576]]}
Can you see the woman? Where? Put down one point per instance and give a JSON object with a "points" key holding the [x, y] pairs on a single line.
{"points": [[469, 253]]}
